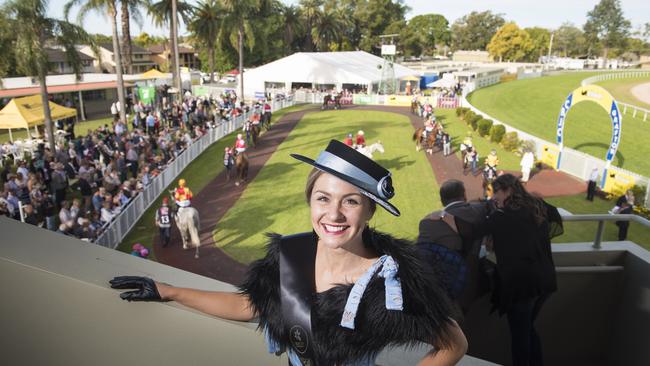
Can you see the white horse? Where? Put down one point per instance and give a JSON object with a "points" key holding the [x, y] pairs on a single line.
{"points": [[371, 149], [187, 220]]}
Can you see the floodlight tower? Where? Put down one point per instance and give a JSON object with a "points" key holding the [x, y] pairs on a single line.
{"points": [[388, 83]]}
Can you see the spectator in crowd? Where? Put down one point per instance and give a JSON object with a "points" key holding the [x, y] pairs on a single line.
{"points": [[450, 240], [522, 228], [64, 213], [30, 216]]}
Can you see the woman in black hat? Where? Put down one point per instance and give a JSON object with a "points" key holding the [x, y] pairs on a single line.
{"points": [[340, 294]]}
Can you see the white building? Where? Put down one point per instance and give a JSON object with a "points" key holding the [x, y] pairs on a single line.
{"points": [[320, 70]]}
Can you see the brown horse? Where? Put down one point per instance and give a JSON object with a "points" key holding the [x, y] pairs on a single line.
{"points": [[255, 134], [428, 144], [241, 164]]}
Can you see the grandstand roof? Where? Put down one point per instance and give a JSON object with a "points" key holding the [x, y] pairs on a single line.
{"points": [[354, 67]]}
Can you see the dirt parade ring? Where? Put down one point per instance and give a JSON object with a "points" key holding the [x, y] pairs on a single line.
{"points": [[220, 195]]}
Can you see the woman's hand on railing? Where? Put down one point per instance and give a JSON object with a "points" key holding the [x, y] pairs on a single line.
{"points": [[143, 288]]}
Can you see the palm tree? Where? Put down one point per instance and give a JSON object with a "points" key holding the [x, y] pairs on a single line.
{"points": [[130, 9], [311, 11], [325, 30], [162, 16], [108, 7], [205, 27], [293, 26], [237, 21], [34, 31]]}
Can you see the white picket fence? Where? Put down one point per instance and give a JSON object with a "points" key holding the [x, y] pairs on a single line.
{"points": [[120, 226], [635, 110]]}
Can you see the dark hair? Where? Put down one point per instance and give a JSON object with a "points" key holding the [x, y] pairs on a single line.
{"points": [[452, 190], [311, 181], [520, 198]]}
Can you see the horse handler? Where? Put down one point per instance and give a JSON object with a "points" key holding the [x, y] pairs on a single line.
{"points": [[164, 221], [340, 293]]}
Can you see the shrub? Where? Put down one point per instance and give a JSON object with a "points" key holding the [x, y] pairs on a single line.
{"points": [[497, 132], [468, 116], [460, 111], [474, 121], [510, 141], [639, 194], [484, 127], [528, 145]]}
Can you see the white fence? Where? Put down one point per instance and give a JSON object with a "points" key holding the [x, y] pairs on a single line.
{"points": [[119, 227], [622, 75]]}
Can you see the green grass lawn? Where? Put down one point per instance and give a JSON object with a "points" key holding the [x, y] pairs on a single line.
{"points": [[199, 173], [275, 202], [586, 231], [80, 129], [533, 106]]}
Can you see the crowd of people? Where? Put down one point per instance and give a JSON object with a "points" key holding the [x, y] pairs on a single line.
{"points": [[80, 187]]}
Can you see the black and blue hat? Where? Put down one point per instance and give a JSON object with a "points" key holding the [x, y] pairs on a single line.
{"points": [[357, 169]]}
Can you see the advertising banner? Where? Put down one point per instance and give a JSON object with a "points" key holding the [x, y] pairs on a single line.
{"points": [[617, 182], [600, 96], [398, 100], [362, 99], [147, 94]]}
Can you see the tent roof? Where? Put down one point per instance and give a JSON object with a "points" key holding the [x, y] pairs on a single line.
{"points": [[354, 67], [154, 74], [27, 112]]}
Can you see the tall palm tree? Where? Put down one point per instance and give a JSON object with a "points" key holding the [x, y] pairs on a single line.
{"points": [[109, 8], [33, 31], [130, 9], [161, 12], [293, 26], [311, 11], [205, 26], [237, 21], [325, 30]]}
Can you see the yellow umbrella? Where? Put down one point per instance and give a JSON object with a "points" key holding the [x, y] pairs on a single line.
{"points": [[154, 74], [411, 78]]}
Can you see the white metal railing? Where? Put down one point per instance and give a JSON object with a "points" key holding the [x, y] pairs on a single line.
{"points": [[121, 224], [622, 75], [601, 219]]}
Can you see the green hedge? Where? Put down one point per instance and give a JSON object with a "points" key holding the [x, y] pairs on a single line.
{"points": [[468, 116], [484, 126], [497, 132], [460, 111], [474, 121]]}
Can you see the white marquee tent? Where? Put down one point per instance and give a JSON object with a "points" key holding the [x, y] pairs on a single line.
{"points": [[319, 68]]}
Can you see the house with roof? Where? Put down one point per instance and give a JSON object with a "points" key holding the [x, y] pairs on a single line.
{"points": [[59, 64], [141, 59], [187, 56]]}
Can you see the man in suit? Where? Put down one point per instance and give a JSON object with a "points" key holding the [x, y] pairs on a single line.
{"points": [[455, 233]]}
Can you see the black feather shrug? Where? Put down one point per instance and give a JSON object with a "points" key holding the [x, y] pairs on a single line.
{"points": [[425, 316]]}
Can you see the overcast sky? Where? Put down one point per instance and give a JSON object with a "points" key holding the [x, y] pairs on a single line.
{"points": [[526, 13]]}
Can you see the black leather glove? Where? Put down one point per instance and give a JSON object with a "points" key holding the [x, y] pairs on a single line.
{"points": [[145, 288]]}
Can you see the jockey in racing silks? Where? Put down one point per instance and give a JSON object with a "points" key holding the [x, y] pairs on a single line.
{"points": [[348, 140], [182, 194], [240, 144], [361, 140], [428, 127]]}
